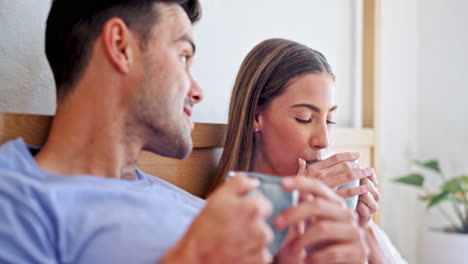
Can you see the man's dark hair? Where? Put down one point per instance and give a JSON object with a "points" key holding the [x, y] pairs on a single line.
{"points": [[73, 27]]}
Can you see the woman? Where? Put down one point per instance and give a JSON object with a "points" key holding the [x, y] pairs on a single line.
{"points": [[281, 117]]}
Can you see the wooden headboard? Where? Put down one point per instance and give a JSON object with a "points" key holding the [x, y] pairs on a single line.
{"points": [[194, 173]]}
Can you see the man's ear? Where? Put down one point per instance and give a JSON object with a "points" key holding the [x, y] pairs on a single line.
{"points": [[116, 38]]}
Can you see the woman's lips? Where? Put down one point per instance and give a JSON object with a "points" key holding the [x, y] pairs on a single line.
{"points": [[310, 162]]}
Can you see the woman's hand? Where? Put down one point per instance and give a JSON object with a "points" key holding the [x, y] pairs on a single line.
{"points": [[341, 169], [368, 203], [338, 170]]}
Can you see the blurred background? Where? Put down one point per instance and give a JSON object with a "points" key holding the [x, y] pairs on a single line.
{"points": [[419, 78]]}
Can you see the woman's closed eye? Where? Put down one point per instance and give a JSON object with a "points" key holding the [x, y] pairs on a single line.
{"points": [[306, 121]]}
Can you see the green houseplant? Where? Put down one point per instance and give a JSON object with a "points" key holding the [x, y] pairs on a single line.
{"points": [[452, 190]]}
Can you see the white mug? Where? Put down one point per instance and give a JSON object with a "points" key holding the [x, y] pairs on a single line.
{"points": [[351, 202]]}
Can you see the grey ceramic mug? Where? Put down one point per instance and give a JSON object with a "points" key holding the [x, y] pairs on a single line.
{"points": [[270, 187]]}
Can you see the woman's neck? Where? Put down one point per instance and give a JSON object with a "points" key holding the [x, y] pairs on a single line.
{"points": [[262, 165]]}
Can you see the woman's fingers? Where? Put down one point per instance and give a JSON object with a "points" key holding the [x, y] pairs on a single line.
{"points": [[348, 176], [315, 209], [309, 186], [302, 167], [335, 159], [354, 191], [374, 191], [369, 202], [374, 180]]}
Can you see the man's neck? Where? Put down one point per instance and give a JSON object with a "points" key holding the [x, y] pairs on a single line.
{"points": [[86, 139]]}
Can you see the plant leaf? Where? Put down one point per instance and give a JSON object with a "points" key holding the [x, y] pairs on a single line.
{"points": [[459, 197], [414, 179], [453, 185], [431, 164], [464, 182], [437, 198]]}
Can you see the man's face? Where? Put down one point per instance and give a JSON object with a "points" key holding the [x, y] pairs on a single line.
{"points": [[167, 90]]}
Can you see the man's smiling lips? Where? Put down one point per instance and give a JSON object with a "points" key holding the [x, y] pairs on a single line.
{"points": [[188, 114], [188, 111]]}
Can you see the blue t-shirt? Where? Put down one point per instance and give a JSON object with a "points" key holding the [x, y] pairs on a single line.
{"points": [[48, 218]]}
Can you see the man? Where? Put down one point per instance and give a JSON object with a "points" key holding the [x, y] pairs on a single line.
{"points": [[122, 70]]}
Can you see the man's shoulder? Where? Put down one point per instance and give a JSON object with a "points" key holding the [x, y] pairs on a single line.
{"points": [[11, 151], [168, 189], [19, 192], [16, 161], [24, 211], [20, 178]]}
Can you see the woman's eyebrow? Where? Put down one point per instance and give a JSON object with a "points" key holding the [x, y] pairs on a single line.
{"points": [[313, 107]]}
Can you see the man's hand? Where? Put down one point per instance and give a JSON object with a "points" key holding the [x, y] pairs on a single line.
{"points": [[331, 234], [231, 228]]}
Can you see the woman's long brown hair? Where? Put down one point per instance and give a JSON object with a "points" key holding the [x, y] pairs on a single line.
{"points": [[264, 74]]}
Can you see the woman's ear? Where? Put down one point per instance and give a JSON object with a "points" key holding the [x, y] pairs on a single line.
{"points": [[258, 121]]}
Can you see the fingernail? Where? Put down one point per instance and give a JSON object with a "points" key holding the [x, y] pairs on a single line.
{"points": [[280, 221], [255, 182], [370, 171]]}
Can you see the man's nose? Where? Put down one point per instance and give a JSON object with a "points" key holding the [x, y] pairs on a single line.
{"points": [[195, 92]]}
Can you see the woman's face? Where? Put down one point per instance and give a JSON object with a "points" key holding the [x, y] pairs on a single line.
{"points": [[296, 124]]}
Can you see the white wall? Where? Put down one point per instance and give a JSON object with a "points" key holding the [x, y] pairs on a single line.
{"points": [[424, 92], [443, 89], [443, 75], [228, 30], [26, 83], [399, 84]]}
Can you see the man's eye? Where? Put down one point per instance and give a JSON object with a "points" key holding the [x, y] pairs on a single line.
{"points": [[302, 121]]}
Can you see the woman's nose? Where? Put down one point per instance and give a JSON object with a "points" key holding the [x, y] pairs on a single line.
{"points": [[320, 138]]}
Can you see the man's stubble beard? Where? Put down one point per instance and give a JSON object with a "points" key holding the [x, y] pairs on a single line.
{"points": [[164, 132]]}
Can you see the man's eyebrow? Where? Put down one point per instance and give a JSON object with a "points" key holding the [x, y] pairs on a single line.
{"points": [[188, 39], [314, 108]]}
